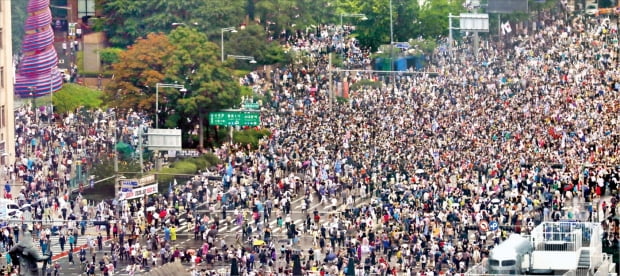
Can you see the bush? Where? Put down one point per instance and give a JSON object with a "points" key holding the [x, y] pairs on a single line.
{"points": [[211, 159], [110, 56], [363, 83], [72, 96], [250, 136], [186, 166], [200, 163], [342, 100]]}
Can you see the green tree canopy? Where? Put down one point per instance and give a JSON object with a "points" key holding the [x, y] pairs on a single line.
{"points": [[140, 67], [409, 20], [127, 20], [184, 57], [252, 41], [196, 63], [18, 18]]}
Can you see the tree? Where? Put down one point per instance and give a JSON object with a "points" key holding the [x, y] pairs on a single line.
{"points": [[252, 41], [211, 86], [376, 29], [409, 20], [279, 15], [127, 20], [141, 66], [18, 17], [434, 17]]}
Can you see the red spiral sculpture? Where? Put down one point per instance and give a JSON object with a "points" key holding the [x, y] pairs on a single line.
{"points": [[38, 74]]}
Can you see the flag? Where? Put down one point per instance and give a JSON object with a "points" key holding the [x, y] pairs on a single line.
{"points": [[506, 28], [338, 166], [169, 187], [229, 169], [175, 182]]}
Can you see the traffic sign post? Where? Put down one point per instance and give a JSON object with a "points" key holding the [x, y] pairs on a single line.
{"points": [[129, 183], [250, 105], [483, 226], [234, 118], [493, 225]]}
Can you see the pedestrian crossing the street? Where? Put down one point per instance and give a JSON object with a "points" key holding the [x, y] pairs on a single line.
{"points": [[230, 227], [82, 240]]}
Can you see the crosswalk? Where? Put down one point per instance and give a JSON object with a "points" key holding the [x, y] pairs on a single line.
{"points": [[82, 240], [230, 227]]}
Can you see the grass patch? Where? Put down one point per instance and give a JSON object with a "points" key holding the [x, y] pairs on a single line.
{"points": [[79, 60], [72, 96], [185, 166]]}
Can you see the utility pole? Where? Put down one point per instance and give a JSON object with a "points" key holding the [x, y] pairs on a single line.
{"points": [[331, 85], [116, 183], [140, 149], [450, 33]]}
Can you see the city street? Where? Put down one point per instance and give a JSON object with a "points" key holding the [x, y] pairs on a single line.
{"points": [[230, 232]]}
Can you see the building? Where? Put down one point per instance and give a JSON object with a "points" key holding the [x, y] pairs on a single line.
{"points": [[7, 121]]}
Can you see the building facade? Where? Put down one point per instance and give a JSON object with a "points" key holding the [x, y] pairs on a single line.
{"points": [[7, 121]]}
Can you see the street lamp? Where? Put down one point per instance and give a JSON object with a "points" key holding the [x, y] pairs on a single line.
{"points": [[391, 25], [176, 24], [53, 71], [34, 109], [361, 16], [164, 85], [250, 58], [229, 29]]}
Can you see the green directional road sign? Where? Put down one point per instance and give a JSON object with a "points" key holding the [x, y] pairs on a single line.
{"points": [[250, 105], [234, 118]]}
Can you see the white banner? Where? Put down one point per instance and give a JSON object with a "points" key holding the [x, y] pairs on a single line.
{"points": [[139, 192]]}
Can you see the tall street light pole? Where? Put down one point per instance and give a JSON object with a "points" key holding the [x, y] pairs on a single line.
{"points": [[391, 25], [163, 85], [250, 59], [392, 49], [229, 29]]}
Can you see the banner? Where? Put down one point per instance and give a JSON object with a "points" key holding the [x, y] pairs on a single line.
{"points": [[129, 193]]}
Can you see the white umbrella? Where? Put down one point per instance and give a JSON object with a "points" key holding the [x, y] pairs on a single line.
{"points": [[150, 209], [419, 171]]}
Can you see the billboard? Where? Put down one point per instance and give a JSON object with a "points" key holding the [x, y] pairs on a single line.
{"points": [[507, 6], [164, 139], [474, 22]]}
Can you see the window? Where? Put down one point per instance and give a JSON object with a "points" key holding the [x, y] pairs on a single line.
{"points": [[494, 262], [2, 117], [1, 76], [508, 263], [1, 45]]}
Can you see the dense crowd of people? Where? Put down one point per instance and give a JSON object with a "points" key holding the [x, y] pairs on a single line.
{"points": [[511, 133]]}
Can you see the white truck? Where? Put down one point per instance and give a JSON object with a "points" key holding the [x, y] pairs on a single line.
{"points": [[9, 210], [513, 256]]}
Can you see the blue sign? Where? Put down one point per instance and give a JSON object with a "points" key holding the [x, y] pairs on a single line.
{"points": [[493, 225], [126, 190], [129, 183]]}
